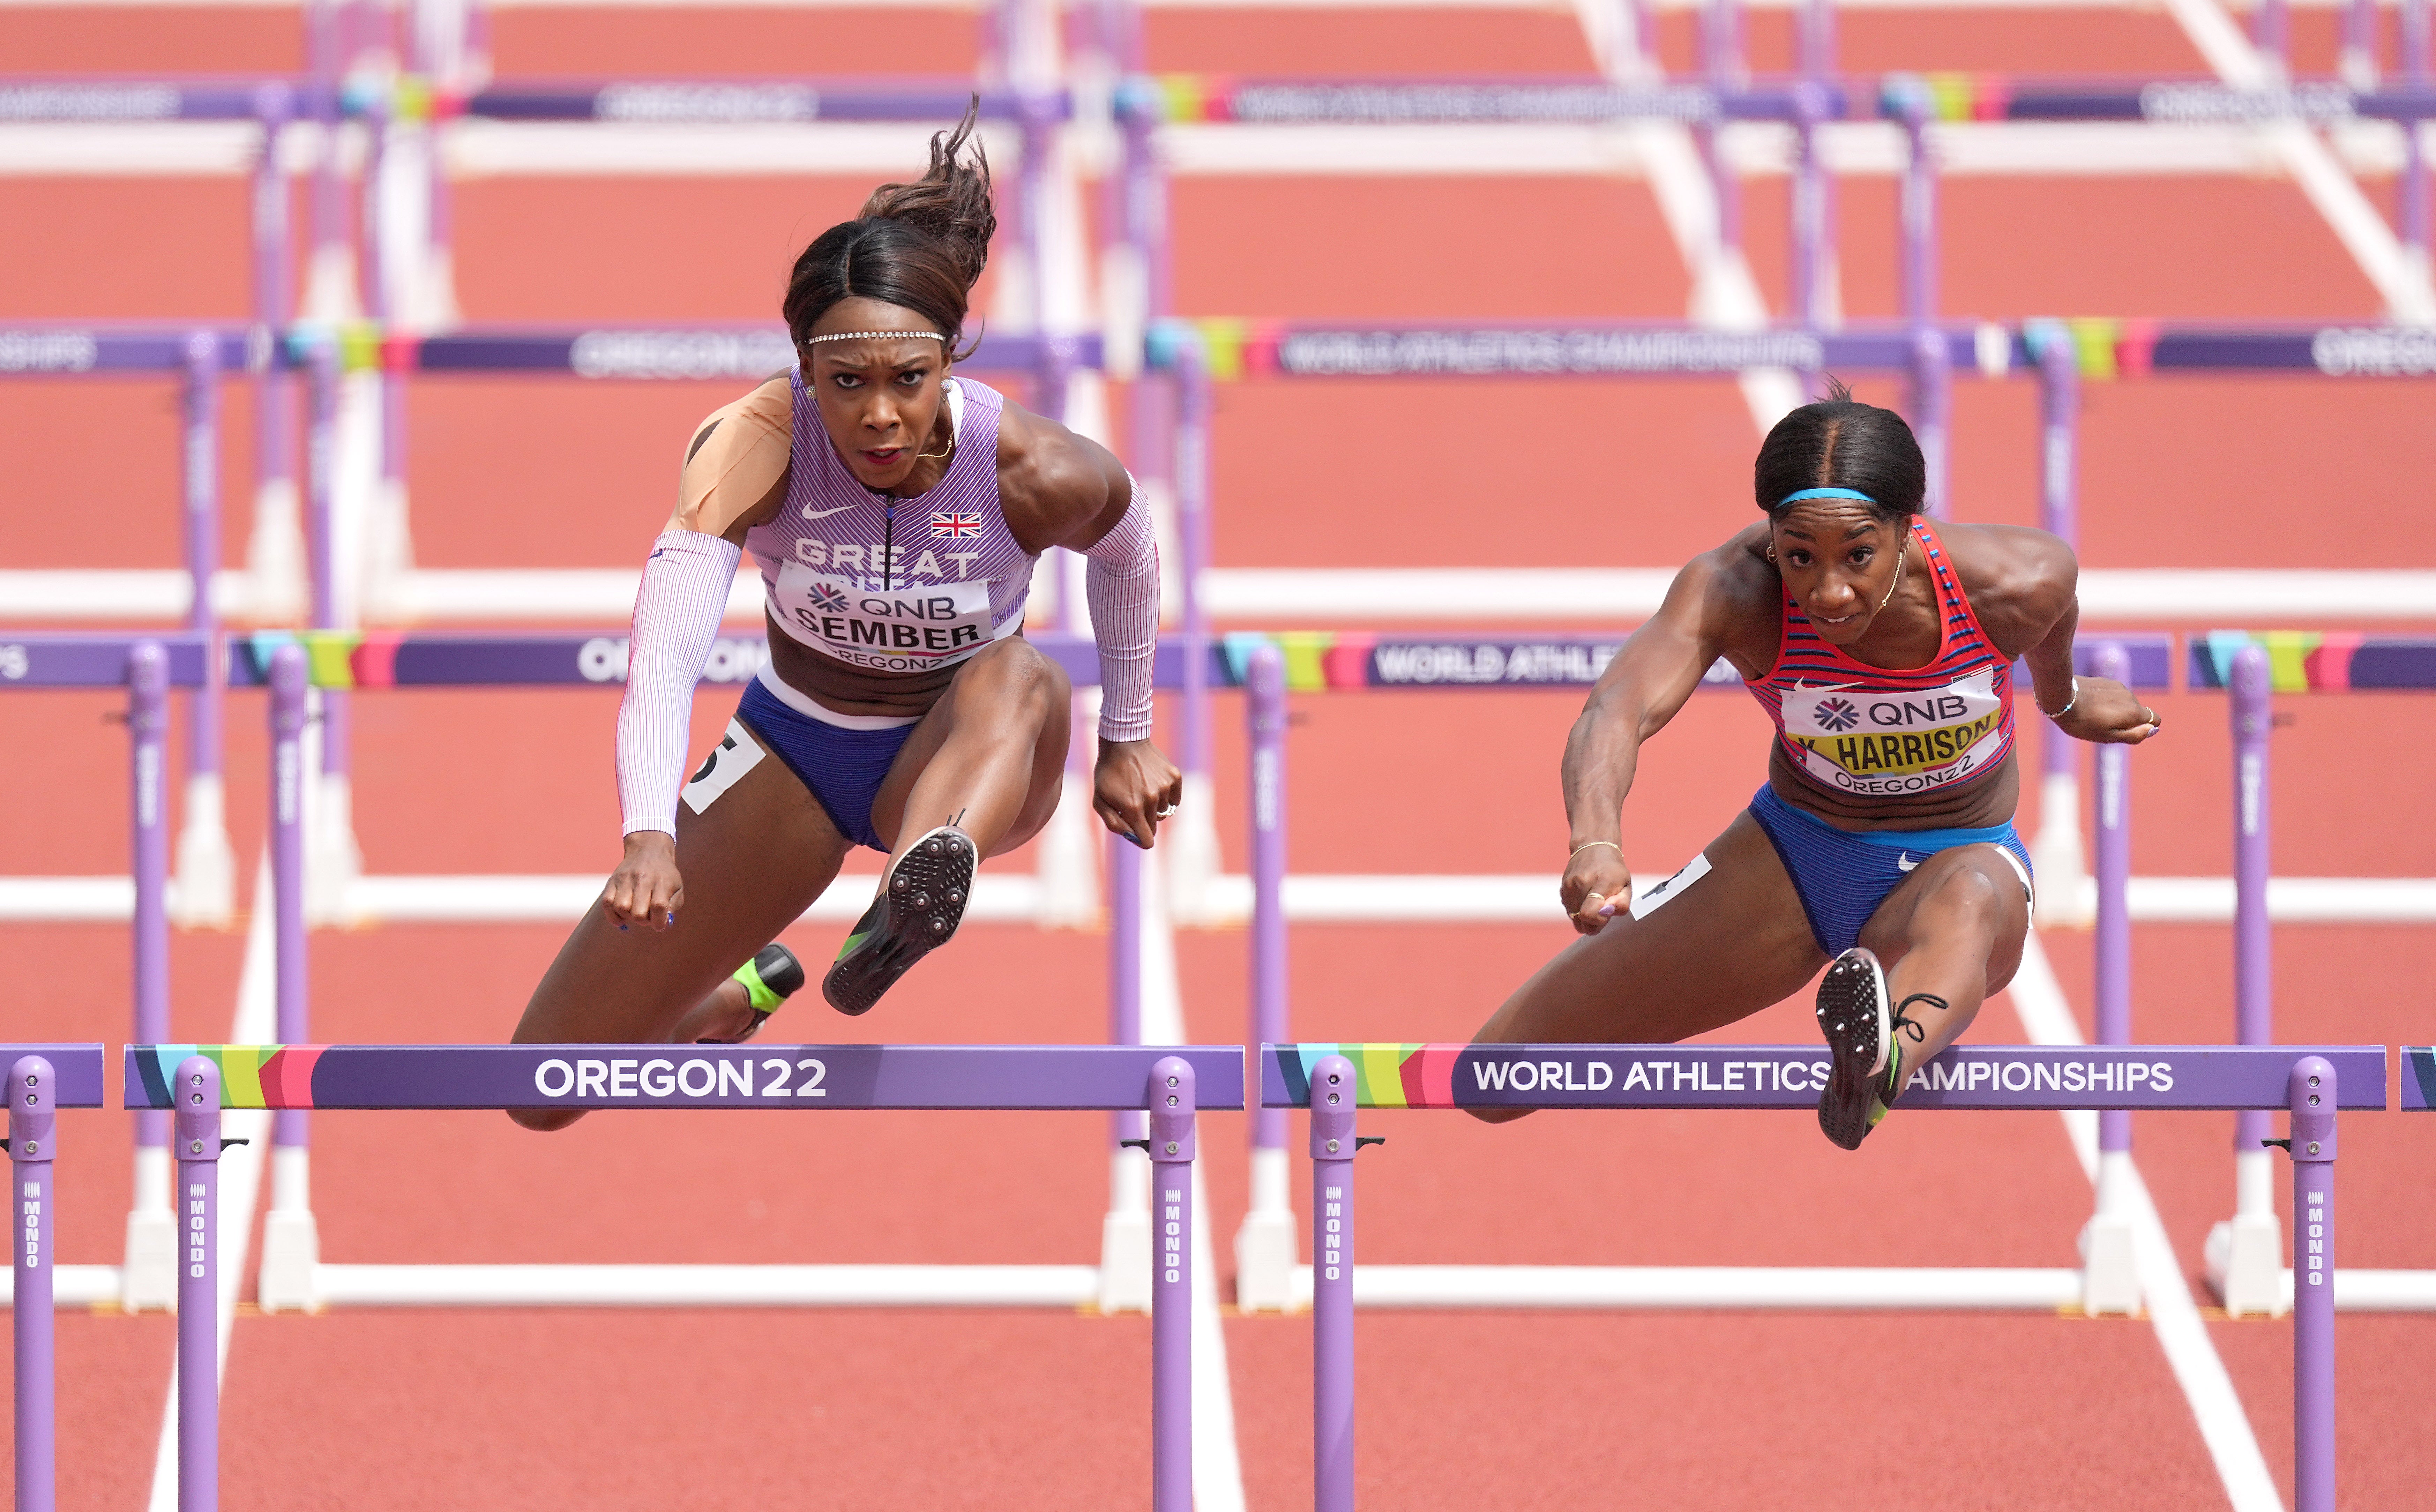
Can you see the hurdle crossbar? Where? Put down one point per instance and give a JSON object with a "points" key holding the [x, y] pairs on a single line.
{"points": [[1333, 1081], [1170, 1085]]}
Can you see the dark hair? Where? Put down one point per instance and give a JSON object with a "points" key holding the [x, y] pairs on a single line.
{"points": [[1840, 442], [920, 245]]}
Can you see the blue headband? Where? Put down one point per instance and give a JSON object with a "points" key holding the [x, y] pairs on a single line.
{"points": [[1825, 493]]}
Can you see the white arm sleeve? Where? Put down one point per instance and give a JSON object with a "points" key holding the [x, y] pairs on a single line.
{"points": [[1122, 585], [676, 617]]}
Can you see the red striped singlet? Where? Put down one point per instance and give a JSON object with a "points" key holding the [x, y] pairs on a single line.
{"points": [[1871, 730]]}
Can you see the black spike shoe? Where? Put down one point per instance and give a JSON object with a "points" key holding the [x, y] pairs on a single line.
{"points": [[1860, 1038], [915, 912]]}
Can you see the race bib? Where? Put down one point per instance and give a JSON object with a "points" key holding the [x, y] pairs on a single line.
{"points": [[911, 629], [1887, 743], [735, 754]]}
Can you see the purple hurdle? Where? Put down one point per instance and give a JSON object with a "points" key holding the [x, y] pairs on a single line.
{"points": [[33, 1123], [291, 1239], [198, 1103], [2245, 1254], [1172, 1083], [207, 866], [2110, 1277], [1985, 1077], [1265, 1245]]}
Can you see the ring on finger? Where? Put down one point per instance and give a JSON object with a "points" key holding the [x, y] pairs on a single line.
{"points": [[1168, 813]]}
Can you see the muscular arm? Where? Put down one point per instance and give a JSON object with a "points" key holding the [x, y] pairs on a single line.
{"points": [[2024, 584], [735, 473], [1709, 611]]}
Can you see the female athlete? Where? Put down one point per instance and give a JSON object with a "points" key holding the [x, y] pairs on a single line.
{"points": [[896, 510], [1883, 649]]}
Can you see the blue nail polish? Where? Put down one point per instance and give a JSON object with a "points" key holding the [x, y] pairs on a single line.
{"points": [[672, 915], [1140, 843]]}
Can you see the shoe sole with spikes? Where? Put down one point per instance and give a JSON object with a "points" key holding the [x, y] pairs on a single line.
{"points": [[914, 915], [1860, 1034]]}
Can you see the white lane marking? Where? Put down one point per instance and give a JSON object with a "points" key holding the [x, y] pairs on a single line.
{"points": [[257, 1013], [2223, 1425], [1217, 1463]]}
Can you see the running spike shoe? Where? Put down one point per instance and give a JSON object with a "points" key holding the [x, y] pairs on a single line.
{"points": [[773, 976], [915, 912], [1860, 1034]]}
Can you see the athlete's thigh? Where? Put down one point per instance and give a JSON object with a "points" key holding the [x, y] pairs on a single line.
{"points": [[1011, 687], [1969, 891], [752, 860], [1728, 944]]}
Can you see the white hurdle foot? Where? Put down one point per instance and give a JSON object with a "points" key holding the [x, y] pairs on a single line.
{"points": [[2066, 897], [148, 1279], [333, 860], [1191, 842], [1267, 1246], [1125, 1236], [203, 894], [2245, 1254], [275, 554], [2109, 1275], [291, 1241]]}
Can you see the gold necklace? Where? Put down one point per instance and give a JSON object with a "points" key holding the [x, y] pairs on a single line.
{"points": [[1903, 555]]}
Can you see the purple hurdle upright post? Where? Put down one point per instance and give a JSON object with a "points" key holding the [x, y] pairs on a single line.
{"points": [[1171, 1149], [272, 562], [2356, 64], [1265, 1248], [1333, 1143], [146, 1277], [198, 1299], [2313, 1284], [1813, 186], [207, 867], [1190, 454], [1932, 401], [2245, 1256], [1125, 962], [291, 1247], [32, 1124], [2270, 31], [2061, 866], [2110, 1278]]}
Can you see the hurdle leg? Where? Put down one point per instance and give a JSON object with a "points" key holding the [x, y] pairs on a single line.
{"points": [[2110, 1277], [1172, 1150], [148, 1270], [32, 1121], [1332, 1146], [291, 1244], [1124, 1233], [199, 1344], [1265, 1245], [2245, 1254], [2312, 1148]]}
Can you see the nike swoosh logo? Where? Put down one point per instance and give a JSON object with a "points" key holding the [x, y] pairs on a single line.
{"points": [[823, 515], [1904, 862]]}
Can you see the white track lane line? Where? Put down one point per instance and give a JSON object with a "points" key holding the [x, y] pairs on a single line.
{"points": [[2224, 1427], [1217, 1463], [257, 1008]]}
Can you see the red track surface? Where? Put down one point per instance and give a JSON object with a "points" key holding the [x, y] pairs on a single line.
{"points": [[608, 1410]]}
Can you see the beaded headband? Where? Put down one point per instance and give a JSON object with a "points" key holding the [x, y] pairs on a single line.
{"points": [[872, 336]]}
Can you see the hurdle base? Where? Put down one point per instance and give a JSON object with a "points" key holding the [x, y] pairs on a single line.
{"points": [[1265, 1248], [807, 1286], [2245, 1265], [1591, 1287], [148, 1280], [71, 1286], [291, 1255], [2358, 1291], [1122, 1282], [2110, 1274], [203, 894]]}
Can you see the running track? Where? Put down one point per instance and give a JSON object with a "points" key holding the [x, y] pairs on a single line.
{"points": [[380, 1409]]}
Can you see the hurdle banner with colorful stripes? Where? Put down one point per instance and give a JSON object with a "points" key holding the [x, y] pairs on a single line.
{"points": [[1792, 1076], [2302, 661], [2419, 1078]]}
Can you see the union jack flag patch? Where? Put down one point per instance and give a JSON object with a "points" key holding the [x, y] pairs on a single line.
{"points": [[957, 524]]}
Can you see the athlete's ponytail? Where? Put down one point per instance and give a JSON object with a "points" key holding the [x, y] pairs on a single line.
{"points": [[919, 244], [1842, 443]]}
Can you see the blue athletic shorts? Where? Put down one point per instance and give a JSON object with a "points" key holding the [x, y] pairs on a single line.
{"points": [[1841, 876], [842, 768]]}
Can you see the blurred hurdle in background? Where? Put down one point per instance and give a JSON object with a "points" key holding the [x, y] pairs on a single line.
{"points": [[42, 1080], [2244, 1254], [1167, 1085], [2313, 1082]]}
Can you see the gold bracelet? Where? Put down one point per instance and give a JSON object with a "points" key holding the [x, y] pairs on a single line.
{"points": [[2067, 703], [1588, 843]]}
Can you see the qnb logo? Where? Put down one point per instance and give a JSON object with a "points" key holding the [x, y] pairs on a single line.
{"points": [[1838, 715]]}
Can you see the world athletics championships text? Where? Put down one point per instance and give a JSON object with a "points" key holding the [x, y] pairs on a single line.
{"points": [[1426, 104], [1387, 354]]}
